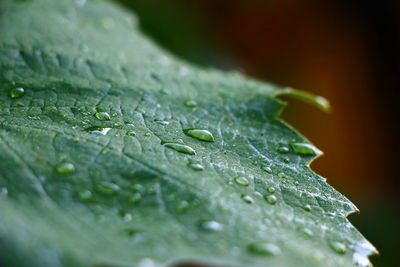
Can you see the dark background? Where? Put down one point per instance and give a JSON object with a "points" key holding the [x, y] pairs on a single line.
{"points": [[347, 51]]}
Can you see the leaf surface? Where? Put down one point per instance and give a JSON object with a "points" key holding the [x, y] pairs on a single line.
{"points": [[115, 153]]}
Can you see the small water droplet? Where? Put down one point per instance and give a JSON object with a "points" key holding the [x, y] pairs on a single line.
{"points": [[307, 208], [266, 169], [130, 133], [17, 92], [161, 122], [264, 249], [338, 247], [129, 125], [86, 196], [196, 166], [65, 168], [286, 159], [3, 192], [190, 103], [135, 198], [147, 134], [109, 188], [307, 232], [137, 188], [271, 199], [305, 149], [242, 181], [182, 206], [126, 216], [210, 226], [247, 199], [118, 124], [180, 147], [281, 175], [271, 189], [283, 149], [102, 115], [98, 130], [200, 134]]}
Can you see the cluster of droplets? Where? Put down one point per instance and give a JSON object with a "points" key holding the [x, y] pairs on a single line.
{"points": [[112, 189]]}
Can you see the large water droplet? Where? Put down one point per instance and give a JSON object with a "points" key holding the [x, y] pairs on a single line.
{"points": [[180, 147], [264, 249], [281, 175], [190, 103], [242, 181], [17, 92], [304, 149], [102, 115], [338, 247], [109, 188], [247, 199], [210, 226], [98, 130], [200, 134], [271, 199], [283, 149], [196, 166], [65, 168]]}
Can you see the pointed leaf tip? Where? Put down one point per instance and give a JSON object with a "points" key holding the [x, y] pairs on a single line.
{"points": [[318, 101]]}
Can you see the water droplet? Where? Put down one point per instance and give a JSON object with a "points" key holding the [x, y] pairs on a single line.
{"points": [[210, 226], [286, 159], [65, 168], [147, 134], [281, 175], [135, 198], [196, 166], [182, 206], [247, 199], [109, 188], [307, 208], [242, 181], [130, 133], [86, 196], [17, 92], [271, 199], [305, 149], [102, 115], [180, 147], [163, 123], [3, 192], [98, 130], [137, 188], [307, 232], [266, 169], [126, 216], [118, 124], [264, 249], [338, 247], [283, 149], [190, 103], [200, 134], [271, 189]]}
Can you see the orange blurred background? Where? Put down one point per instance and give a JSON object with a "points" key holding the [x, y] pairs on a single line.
{"points": [[347, 51]]}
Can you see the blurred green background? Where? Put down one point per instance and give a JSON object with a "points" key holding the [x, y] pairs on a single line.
{"points": [[347, 51]]}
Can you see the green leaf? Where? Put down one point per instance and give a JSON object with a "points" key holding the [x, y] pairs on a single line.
{"points": [[115, 153]]}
